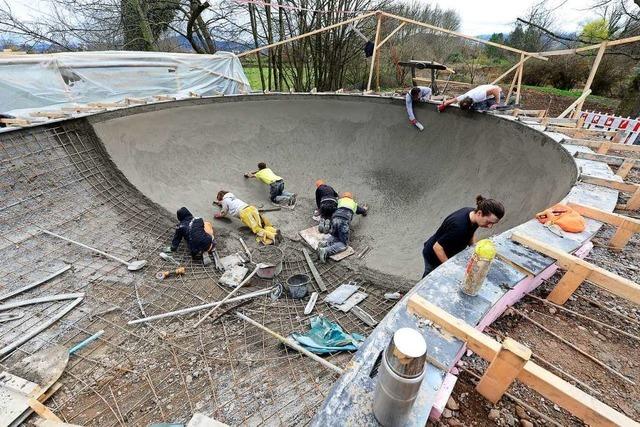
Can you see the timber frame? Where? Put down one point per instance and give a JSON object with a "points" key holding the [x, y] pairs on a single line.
{"points": [[516, 83]]}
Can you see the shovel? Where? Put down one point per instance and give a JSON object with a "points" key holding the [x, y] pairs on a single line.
{"points": [[131, 266]]}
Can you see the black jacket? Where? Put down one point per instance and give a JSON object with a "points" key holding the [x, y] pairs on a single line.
{"points": [[192, 230], [325, 192]]}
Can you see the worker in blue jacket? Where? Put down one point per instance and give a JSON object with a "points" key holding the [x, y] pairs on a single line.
{"points": [[197, 232]]}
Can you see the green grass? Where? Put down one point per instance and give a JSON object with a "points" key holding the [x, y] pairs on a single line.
{"points": [[572, 93], [253, 74]]}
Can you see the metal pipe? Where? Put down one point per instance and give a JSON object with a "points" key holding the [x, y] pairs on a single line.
{"points": [[33, 285], [39, 300]]}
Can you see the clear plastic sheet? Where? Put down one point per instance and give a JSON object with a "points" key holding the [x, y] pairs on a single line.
{"points": [[31, 82]]}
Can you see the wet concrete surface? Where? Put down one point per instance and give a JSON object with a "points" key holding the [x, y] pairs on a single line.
{"points": [[182, 153]]}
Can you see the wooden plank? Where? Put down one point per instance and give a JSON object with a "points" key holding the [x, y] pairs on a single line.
{"points": [[598, 145], [506, 73], [310, 33], [106, 105], [314, 271], [464, 36], [375, 51], [610, 183], [503, 370], [604, 158], [15, 122], [49, 114], [605, 279], [569, 282], [42, 410], [164, 97], [610, 218], [133, 101], [626, 167], [579, 403], [633, 204], [582, 133], [391, 34], [575, 103], [81, 109], [520, 72]]}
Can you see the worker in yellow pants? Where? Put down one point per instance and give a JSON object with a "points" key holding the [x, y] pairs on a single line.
{"points": [[260, 226]]}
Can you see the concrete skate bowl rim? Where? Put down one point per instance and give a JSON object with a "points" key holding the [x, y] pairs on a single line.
{"points": [[539, 140]]}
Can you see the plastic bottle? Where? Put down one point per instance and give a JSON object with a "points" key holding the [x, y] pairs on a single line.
{"points": [[478, 267]]}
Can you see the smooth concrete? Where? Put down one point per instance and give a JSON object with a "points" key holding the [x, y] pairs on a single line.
{"points": [[182, 153]]}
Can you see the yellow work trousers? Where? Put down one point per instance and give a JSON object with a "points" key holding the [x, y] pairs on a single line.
{"points": [[259, 225]]}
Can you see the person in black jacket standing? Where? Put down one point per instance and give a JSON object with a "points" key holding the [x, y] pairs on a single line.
{"points": [[327, 203], [197, 232]]}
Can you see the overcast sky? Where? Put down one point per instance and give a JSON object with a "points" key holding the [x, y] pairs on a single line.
{"points": [[478, 16]]}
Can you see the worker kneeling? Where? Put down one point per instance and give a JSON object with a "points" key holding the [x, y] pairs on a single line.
{"points": [[197, 232], [260, 226], [326, 203], [341, 220]]}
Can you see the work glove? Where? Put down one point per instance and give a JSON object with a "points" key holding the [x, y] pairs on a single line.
{"points": [[441, 107], [168, 249], [419, 126]]}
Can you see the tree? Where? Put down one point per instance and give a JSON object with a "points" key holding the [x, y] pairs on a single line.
{"points": [[595, 31], [492, 51]]}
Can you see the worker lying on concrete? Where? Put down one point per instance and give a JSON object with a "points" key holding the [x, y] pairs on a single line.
{"points": [[457, 230], [277, 193], [481, 98], [340, 221], [417, 94], [197, 232], [327, 203], [260, 226]]}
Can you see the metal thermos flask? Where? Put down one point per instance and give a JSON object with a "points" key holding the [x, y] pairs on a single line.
{"points": [[400, 376]]}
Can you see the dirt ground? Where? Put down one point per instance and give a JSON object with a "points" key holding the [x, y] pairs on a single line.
{"points": [[616, 346]]}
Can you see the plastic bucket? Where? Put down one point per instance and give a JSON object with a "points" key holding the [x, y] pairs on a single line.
{"points": [[297, 285]]}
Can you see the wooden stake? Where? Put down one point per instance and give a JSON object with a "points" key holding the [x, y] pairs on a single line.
{"points": [[520, 72], [569, 282], [592, 74], [375, 51], [503, 370]]}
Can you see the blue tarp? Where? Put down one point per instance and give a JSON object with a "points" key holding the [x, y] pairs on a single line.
{"points": [[327, 337]]}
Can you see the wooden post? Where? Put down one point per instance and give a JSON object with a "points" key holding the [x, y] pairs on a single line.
{"points": [[625, 168], [520, 71], [375, 51], [571, 280], [592, 74], [503, 370], [512, 86]]}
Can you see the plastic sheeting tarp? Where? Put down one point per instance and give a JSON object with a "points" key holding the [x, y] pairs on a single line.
{"points": [[327, 337], [29, 82]]}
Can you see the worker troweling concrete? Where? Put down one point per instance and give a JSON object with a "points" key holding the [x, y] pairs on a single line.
{"points": [[457, 231], [260, 226], [277, 193], [326, 203], [481, 98], [197, 232], [340, 222], [417, 94]]}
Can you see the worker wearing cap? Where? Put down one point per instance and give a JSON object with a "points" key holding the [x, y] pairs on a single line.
{"points": [[198, 234], [481, 98], [260, 226], [417, 94], [340, 221], [277, 193], [327, 203]]}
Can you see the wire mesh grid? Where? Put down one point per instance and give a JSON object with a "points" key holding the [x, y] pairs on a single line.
{"points": [[60, 178]]}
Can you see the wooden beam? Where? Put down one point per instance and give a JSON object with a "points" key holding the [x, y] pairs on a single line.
{"points": [[134, 101], [604, 158], [391, 34], [592, 75], [575, 103], [375, 51], [503, 370], [520, 72], [506, 73], [610, 183], [15, 122], [310, 33], [464, 36], [603, 147], [605, 279], [107, 104], [529, 113], [626, 167], [583, 133], [625, 226], [81, 109], [49, 114], [577, 402], [569, 282], [512, 86]]}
